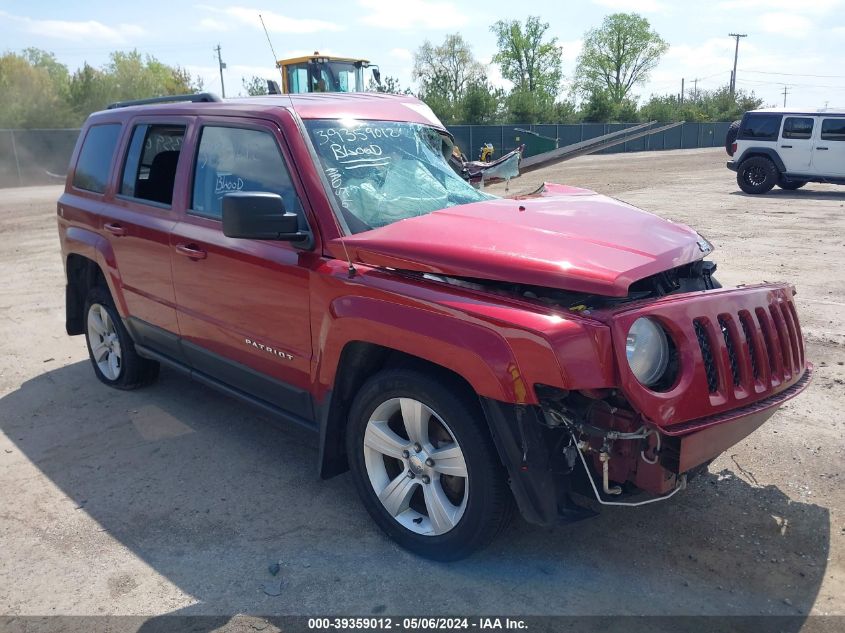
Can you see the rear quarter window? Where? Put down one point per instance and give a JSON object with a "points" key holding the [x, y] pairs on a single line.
{"points": [[760, 127], [833, 129], [95, 157]]}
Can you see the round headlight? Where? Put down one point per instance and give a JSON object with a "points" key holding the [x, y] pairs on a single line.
{"points": [[647, 350]]}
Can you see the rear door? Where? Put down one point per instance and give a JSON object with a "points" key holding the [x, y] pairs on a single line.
{"points": [[243, 304], [829, 152], [796, 143], [142, 215]]}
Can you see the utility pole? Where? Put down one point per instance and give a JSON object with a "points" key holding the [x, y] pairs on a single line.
{"points": [[222, 65], [785, 92], [695, 89], [736, 55], [682, 90]]}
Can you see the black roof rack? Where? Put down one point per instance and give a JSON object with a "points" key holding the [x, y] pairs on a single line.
{"points": [[199, 97]]}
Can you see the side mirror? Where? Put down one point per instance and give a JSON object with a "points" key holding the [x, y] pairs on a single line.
{"points": [[273, 87], [377, 75], [257, 215]]}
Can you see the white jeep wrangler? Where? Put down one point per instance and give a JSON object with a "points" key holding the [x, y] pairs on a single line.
{"points": [[787, 147]]}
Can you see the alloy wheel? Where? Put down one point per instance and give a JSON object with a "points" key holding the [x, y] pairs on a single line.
{"points": [[104, 341], [416, 466]]}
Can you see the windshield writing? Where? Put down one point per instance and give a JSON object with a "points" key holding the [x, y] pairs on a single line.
{"points": [[383, 172]]}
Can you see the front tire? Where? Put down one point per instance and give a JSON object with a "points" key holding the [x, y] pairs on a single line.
{"points": [[425, 466], [757, 175], [110, 347]]}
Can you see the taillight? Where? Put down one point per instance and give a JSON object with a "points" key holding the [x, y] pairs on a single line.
{"points": [[733, 148]]}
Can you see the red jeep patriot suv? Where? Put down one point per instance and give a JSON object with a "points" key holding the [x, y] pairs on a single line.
{"points": [[315, 255]]}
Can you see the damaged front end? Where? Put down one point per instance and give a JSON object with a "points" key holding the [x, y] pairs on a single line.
{"points": [[735, 356]]}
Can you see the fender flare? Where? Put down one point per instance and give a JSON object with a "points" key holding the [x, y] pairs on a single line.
{"points": [[93, 246], [476, 353], [768, 152]]}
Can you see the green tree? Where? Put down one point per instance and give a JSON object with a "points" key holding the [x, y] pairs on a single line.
{"points": [[565, 112], [128, 75], [255, 86], [435, 92], [447, 69], [389, 85], [33, 91], [618, 55], [598, 107], [526, 106], [481, 104], [528, 62], [707, 105]]}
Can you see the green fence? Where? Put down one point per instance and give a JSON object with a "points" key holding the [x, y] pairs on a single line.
{"points": [[505, 138]]}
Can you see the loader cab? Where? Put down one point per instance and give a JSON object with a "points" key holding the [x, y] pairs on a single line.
{"points": [[321, 73]]}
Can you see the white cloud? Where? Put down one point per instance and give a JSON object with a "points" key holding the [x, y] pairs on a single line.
{"points": [[275, 22], [410, 14], [816, 7], [787, 24], [401, 54], [77, 31], [638, 6], [212, 24]]}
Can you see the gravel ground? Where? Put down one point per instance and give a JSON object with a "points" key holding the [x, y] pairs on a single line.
{"points": [[175, 499]]}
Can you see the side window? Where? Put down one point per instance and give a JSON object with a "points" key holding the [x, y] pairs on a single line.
{"points": [[297, 78], [150, 167], [95, 157], [238, 159], [798, 127], [760, 127], [833, 129]]}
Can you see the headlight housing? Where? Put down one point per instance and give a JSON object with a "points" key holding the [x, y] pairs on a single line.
{"points": [[647, 350]]}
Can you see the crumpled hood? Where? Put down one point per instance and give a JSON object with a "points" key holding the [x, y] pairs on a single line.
{"points": [[568, 238]]}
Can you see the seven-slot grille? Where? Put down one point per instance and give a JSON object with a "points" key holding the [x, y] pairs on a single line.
{"points": [[762, 347]]}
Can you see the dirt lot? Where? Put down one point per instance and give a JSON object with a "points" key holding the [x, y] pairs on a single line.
{"points": [[175, 499]]}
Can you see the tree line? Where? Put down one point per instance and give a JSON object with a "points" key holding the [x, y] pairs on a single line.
{"points": [[37, 91], [616, 58]]}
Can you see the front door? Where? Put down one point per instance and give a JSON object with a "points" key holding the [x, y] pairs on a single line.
{"points": [[829, 153], [796, 143], [243, 305]]}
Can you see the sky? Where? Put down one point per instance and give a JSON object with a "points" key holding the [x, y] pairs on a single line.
{"points": [[797, 44]]}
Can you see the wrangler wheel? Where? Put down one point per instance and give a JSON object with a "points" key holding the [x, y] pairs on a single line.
{"points": [[425, 466], [757, 175], [110, 347]]}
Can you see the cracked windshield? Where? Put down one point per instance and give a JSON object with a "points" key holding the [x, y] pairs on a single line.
{"points": [[383, 171]]}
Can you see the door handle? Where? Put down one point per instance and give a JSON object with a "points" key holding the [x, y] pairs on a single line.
{"points": [[114, 229], [824, 148], [191, 250], [789, 146]]}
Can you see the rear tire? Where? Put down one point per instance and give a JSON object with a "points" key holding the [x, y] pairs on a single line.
{"points": [[730, 137], [790, 185], [757, 175], [425, 466], [110, 347]]}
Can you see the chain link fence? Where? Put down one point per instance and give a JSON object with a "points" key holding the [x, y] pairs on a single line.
{"points": [[35, 157], [39, 157]]}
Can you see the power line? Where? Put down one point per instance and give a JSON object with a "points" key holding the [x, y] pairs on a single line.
{"points": [[791, 84], [769, 72]]}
